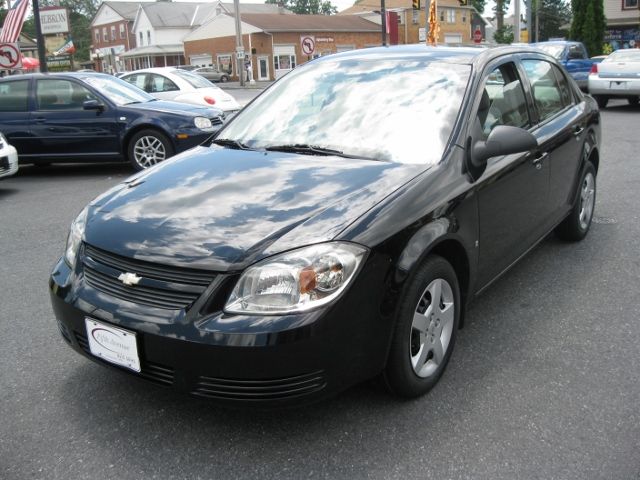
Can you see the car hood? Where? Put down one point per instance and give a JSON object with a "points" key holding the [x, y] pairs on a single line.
{"points": [[175, 107], [221, 209]]}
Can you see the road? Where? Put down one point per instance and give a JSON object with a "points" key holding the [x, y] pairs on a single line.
{"points": [[544, 382]]}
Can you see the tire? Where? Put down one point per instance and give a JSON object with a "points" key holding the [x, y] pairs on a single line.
{"points": [[224, 79], [424, 333], [576, 226], [147, 148], [633, 101], [601, 100]]}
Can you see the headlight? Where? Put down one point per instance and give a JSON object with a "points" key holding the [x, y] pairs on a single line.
{"points": [[296, 281], [76, 233], [202, 123]]}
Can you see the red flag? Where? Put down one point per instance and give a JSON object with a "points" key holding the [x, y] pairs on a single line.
{"points": [[13, 22]]}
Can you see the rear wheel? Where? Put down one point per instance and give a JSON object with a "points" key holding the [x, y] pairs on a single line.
{"points": [[426, 327], [633, 100], [576, 225], [148, 147], [224, 79], [601, 100]]}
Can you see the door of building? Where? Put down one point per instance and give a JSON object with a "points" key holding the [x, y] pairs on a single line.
{"points": [[263, 68]]}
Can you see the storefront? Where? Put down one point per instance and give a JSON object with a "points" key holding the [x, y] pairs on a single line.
{"points": [[622, 37]]}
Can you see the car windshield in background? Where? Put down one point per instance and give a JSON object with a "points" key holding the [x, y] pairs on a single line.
{"points": [[118, 91], [624, 56], [399, 110], [194, 80], [553, 50]]}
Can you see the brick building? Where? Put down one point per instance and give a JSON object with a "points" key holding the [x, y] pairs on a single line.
{"points": [[112, 35], [275, 43]]}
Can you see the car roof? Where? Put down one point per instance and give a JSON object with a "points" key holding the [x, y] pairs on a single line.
{"points": [[79, 75]]}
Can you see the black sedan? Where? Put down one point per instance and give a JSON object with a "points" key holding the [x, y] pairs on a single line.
{"points": [[334, 230], [92, 116]]}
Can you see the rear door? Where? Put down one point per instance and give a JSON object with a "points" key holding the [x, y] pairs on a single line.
{"points": [[560, 130], [61, 128], [14, 115]]}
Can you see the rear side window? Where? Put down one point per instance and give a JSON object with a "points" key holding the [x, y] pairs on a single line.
{"points": [[547, 95], [565, 91], [13, 96], [138, 79], [162, 84]]}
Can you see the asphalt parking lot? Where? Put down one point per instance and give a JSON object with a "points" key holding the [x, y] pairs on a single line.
{"points": [[544, 382]]}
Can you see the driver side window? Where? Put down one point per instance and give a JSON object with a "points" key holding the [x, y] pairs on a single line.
{"points": [[503, 101]]}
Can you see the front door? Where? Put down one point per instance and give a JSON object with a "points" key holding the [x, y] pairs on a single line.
{"points": [[61, 128], [513, 191], [263, 68]]}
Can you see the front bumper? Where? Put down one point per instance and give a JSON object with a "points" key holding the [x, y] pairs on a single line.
{"points": [[614, 87], [8, 161], [265, 360]]}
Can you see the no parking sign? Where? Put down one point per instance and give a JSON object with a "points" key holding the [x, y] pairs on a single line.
{"points": [[10, 57]]}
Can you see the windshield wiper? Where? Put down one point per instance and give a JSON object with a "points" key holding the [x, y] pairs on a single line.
{"points": [[314, 150], [228, 142]]}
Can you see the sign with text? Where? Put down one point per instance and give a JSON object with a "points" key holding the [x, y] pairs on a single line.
{"points": [[54, 20]]}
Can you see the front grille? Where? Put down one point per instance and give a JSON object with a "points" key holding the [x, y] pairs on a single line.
{"points": [[257, 390], [160, 286], [154, 372], [64, 331], [217, 120]]}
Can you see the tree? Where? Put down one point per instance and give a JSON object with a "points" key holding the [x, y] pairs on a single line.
{"points": [[504, 34], [500, 9], [552, 16], [588, 24], [478, 5], [307, 7]]}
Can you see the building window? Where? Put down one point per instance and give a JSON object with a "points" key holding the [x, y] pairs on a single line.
{"points": [[400, 16], [416, 17], [122, 30], [464, 16], [148, 37], [629, 4], [113, 32], [451, 16], [141, 39], [97, 35], [442, 14], [105, 38]]}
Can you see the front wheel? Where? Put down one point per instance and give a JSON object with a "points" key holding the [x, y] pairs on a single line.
{"points": [[633, 100], [224, 79], [426, 327], [576, 225], [148, 147]]}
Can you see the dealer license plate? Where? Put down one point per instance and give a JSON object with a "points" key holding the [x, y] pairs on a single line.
{"points": [[113, 344], [618, 85]]}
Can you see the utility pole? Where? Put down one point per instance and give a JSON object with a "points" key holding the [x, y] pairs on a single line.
{"points": [[239, 46], [529, 21], [516, 21], [39, 37], [537, 3]]}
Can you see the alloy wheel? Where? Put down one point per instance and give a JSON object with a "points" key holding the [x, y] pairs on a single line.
{"points": [[148, 151], [587, 200], [432, 328]]}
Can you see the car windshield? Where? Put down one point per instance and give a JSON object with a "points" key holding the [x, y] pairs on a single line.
{"points": [[118, 91], [196, 81], [553, 50], [624, 56], [399, 110]]}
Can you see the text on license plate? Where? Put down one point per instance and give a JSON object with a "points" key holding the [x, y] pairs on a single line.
{"points": [[113, 344]]}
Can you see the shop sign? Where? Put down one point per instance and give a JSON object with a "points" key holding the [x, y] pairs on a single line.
{"points": [[324, 40], [54, 20]]}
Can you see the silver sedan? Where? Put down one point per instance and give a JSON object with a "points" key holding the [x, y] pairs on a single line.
{"points": [[617, 76]]}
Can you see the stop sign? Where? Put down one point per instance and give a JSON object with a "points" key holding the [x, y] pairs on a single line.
{"points": [[477, 35]]}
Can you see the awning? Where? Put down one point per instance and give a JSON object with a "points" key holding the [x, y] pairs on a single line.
{"points": [[154, 50]]}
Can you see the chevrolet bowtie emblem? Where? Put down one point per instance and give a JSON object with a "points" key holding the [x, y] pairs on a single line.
{"points": [[129, 278]]}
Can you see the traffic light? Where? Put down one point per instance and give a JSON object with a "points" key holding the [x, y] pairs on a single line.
{"points": [[416, 4], [463, 3]]}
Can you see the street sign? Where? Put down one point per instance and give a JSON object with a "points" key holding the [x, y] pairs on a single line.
{"points": [[10, 56], [308, 44], [240, 54], [477, 35]]}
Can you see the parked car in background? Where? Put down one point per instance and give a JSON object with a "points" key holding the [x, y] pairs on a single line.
{"points": [[573, 56], [331, 233], [212, 74], [8, 158], [617, 76], [170, 83], [93, 116]]}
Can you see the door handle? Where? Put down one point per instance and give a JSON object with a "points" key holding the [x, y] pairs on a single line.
{"points": [[577, 130], [538, 159], [40, 119]]}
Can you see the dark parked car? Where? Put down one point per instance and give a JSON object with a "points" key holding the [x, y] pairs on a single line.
{"points": [[93, 117], [332, 233]]}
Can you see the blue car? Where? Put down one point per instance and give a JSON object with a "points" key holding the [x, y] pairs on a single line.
{"points": [[572, 56], [96, 117]]}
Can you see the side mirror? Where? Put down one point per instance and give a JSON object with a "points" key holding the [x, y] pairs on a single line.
{"points": [[92, 105], [503, 140]]}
